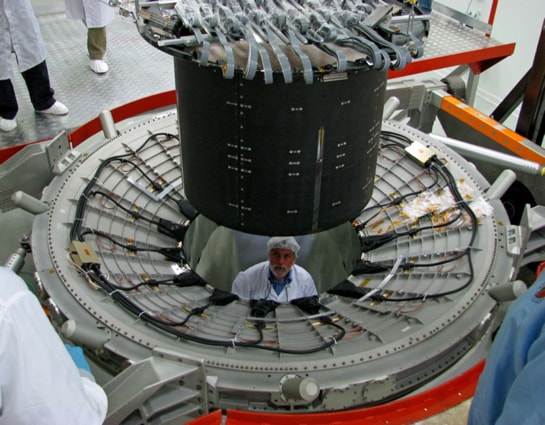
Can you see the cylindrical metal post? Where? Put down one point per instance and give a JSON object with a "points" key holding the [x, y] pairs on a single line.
{"points": [[108, 124], [29, 203], [477, 152], [508, 291], [391, 105], [501, 184], [296, 388], [84, 335]]}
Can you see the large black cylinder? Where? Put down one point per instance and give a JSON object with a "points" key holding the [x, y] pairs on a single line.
{"points": [[278, 158]]}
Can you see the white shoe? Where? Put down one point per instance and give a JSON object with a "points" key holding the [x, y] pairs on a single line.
{"points": [[7, 125], [98, 66], [57, 109]]}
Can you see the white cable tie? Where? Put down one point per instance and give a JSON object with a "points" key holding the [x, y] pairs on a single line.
{"points": [[334, 340], [113, 292], [234, 342], [425, 296], [142, 313]]}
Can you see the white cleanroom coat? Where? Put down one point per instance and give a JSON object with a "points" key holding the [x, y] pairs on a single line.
{"points": [[39, 382], [19, 34], [254, 284], [94, 13]]}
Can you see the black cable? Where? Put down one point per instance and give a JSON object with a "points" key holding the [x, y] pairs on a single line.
{"points": [[440, 170], [396, 201], [83, 199], [371, 242], [438, 294], [153, 283], [132, 213], [398, 138], [117, 292], [166, 227], [156, 186], [451, 183], [102, 280], [172, 253]]}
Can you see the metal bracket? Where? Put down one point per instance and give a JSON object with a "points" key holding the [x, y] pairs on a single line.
{"points": [[462, 18], [155, 386], [59, 153]]}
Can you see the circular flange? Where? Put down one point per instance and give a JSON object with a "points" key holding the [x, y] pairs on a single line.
{"points": [[387, 347]]}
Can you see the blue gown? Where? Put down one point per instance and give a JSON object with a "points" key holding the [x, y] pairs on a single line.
{"points": [[510, 389]]}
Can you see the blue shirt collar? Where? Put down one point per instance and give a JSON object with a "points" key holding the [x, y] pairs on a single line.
{"points": [[279, 286], [285, 281]]}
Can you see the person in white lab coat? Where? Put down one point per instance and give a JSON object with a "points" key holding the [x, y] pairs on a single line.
{"points": [[20, 34], [95, 14], [279, 279], [42, 381]]}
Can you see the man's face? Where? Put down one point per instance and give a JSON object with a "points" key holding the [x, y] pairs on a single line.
{"points": [[281, 261]]}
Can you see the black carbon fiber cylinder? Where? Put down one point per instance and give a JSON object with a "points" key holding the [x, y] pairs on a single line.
{"points": [[277, 159]]}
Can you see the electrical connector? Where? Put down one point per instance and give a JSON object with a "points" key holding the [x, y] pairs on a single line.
{"points": [[260, 308], [309, 305], [348, 289], [198, 310], [172, 254], [260, 325], [221, 297], [189, 278], [83, 254], [326, 320], [371, 242], [174, 230], [187, 209], [420, 153], [368, 267]]}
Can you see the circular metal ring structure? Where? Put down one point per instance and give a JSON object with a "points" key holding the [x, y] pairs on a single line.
{"points": [[418, 314]]}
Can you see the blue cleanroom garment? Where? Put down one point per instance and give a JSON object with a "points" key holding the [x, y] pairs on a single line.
{"points": [[511, 387]]}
